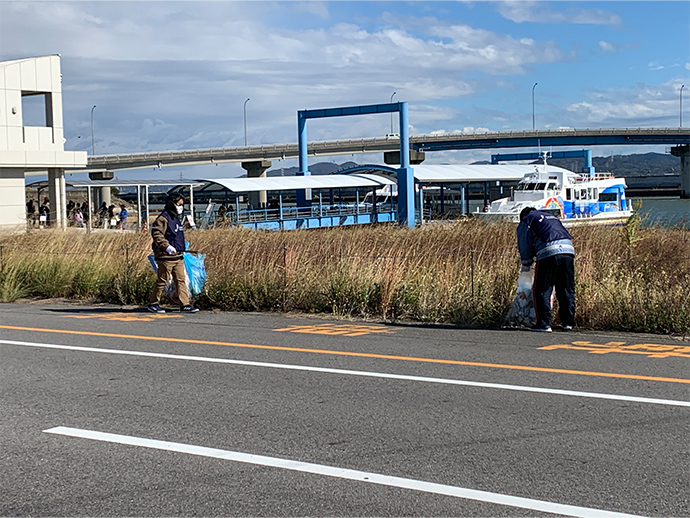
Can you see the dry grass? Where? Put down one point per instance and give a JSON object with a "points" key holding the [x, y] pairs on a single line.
{"points": [[463, 273]]}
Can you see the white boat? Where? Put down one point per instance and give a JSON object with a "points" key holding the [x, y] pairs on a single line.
{"points": [[575, 198]]}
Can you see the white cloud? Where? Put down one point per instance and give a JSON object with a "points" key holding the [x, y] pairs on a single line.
{"points": [[313, 7], [193, 64], [609, 47], [640, 106], [174, 75], [606, 46], [520, 11]]}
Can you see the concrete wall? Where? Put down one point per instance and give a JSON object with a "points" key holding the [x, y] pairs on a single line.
{"points": [[26, 84], [13, 207]]}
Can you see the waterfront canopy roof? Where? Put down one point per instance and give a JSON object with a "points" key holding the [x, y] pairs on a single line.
{"points": [[292, 183], [456, 173], [366, 176], [132, 183]]}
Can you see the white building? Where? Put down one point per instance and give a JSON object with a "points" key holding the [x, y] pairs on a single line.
{"points": [[31, 137]]}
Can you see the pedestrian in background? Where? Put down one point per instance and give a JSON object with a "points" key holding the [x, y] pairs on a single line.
{"points": [[45, 210], [102, 214], [542, 236], [79, 218], [30, 212], [168, 246], [123, 216]]}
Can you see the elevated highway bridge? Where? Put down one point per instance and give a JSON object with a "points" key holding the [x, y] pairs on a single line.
{"points": [[390, 144], [257, 159]]}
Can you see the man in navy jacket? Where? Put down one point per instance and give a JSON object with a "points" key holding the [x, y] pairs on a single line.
{"points": [[542, 236]]}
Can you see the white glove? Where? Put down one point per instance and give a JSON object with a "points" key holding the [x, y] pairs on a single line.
{"points": [[170, 250], [524, 268]]}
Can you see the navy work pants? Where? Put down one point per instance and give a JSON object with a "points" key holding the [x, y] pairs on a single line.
{"points": [[555, 271]]}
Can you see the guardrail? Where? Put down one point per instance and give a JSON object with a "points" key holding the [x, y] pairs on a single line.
{"points": [[242, 217]]}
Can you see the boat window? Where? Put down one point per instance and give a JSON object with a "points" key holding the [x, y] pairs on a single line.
{"points": [[552, 186], [540, 186], [568, 194], [608, 196], [530, 186], [520, 187]]}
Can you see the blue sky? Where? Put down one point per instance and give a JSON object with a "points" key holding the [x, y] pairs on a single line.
{"points": [[175, 75]]}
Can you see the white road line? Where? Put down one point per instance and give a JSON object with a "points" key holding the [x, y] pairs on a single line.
{"points": [[520, 388], [350, 474]]}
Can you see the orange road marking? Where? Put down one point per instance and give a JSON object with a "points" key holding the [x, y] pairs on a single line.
{"points": [[123, 317], [355, 354], [649, 350], [337, 329]]}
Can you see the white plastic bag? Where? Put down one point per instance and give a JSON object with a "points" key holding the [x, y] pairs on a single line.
{"points": [[521, 312]]}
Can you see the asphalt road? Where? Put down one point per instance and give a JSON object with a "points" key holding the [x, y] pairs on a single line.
{"points": [[109, 411]]}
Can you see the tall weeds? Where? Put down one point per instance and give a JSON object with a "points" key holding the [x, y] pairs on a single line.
{"points": [[628, 278]]}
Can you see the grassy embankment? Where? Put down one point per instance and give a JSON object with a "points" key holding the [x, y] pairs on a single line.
{"points": [[628, 278]]}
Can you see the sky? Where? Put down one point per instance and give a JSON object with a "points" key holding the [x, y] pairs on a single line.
{"points": [[174, 75]]}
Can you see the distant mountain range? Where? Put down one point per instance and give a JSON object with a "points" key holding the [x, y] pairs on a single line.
{"points": [[647, 164]]}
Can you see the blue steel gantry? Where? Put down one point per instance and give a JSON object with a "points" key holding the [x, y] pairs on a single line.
{"points": [[405, 175]]}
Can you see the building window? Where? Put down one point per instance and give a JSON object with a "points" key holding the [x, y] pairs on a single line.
{"points": [[37, 109]]}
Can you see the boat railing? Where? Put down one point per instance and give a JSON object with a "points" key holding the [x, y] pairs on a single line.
{"points": [[597, 176]]}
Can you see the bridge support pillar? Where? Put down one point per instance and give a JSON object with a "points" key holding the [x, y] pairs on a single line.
{"points": [[104, 194], [684, 153], [57, 194], [257, 169], [393, 157]]}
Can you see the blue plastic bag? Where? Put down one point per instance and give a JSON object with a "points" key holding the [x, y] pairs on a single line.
{"points": [[196, 272]]}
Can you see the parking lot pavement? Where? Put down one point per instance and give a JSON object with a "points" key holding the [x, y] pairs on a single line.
{"points": [[115, 411]]}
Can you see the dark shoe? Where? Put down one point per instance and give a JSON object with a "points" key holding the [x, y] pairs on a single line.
{"points": [[541, 329], [567, 328], [155, 308], [189, 309]]}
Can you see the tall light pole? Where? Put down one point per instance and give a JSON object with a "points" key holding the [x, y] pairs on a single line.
{"points": [[681, 105], [245, 122], [93, 142], [392, 112], [535, 85]]}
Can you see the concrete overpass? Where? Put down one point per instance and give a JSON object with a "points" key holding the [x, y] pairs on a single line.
{"points": [[421, 143], [257, 159]]}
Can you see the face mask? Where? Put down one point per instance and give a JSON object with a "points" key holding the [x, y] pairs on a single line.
{"points": [[180, 209]]}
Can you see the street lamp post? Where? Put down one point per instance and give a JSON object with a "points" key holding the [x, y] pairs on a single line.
{"points": [[93, 142], [245, 122], [392, 112], [535, 85], [681, 105]]}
